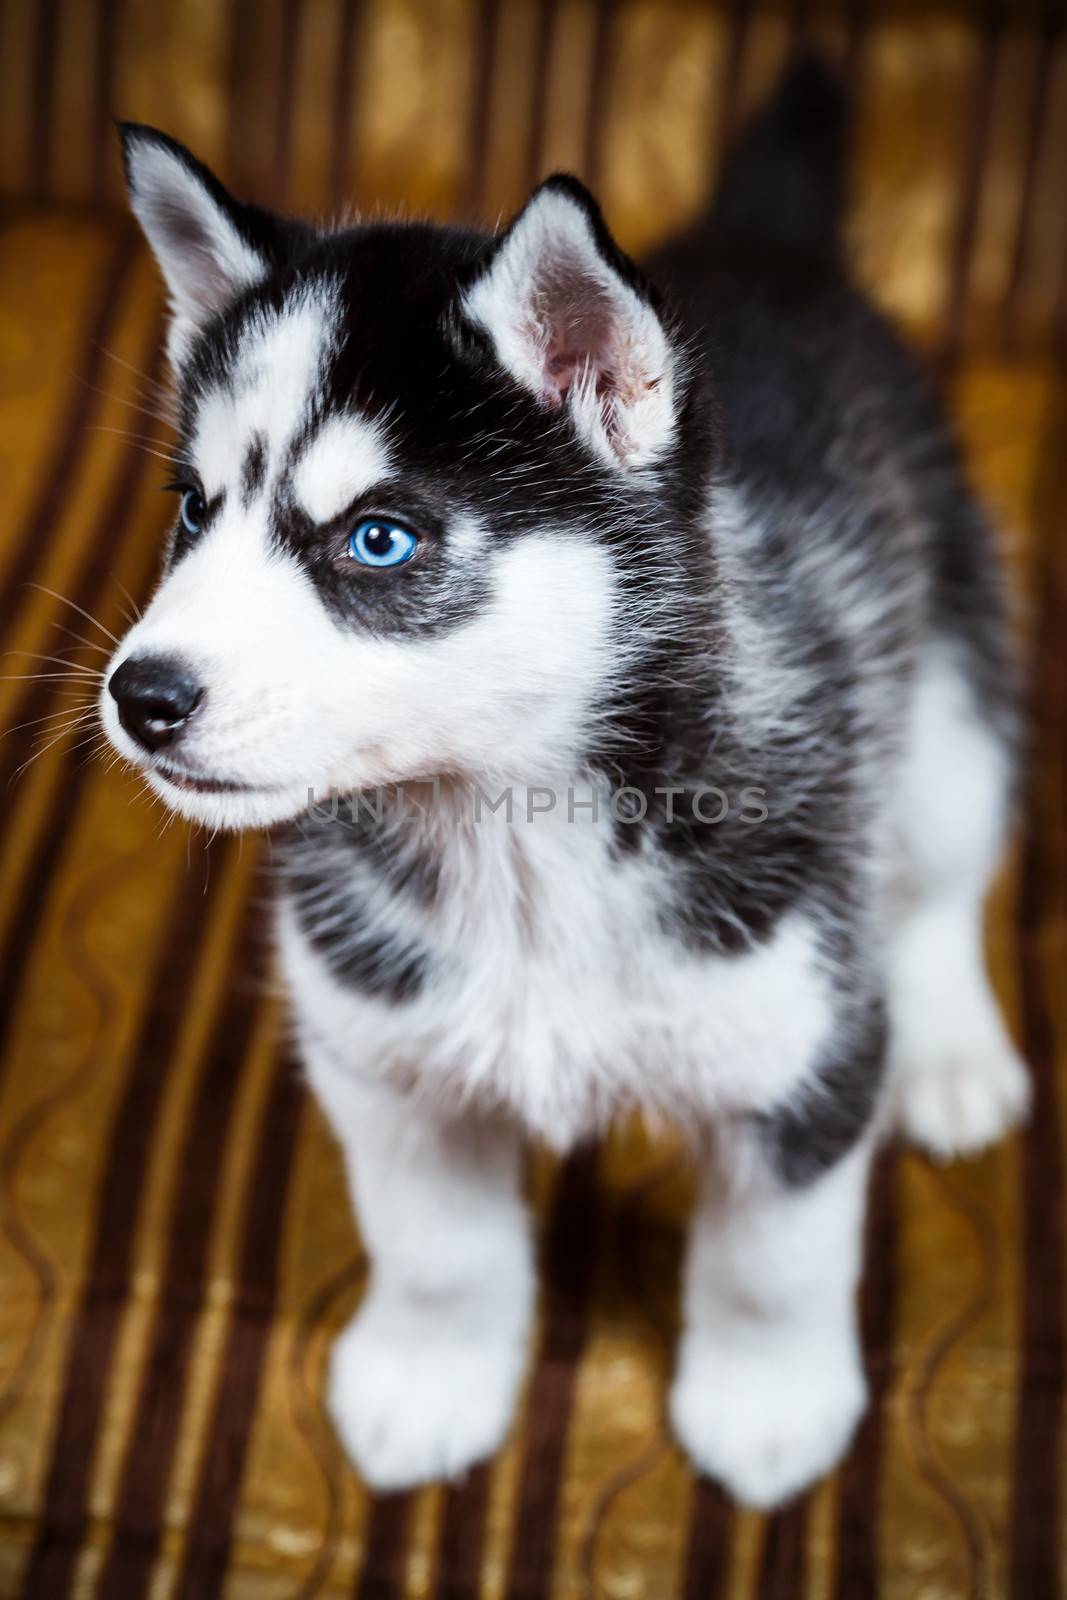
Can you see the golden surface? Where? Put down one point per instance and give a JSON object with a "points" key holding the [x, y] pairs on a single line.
{"points": [[112, 919]]}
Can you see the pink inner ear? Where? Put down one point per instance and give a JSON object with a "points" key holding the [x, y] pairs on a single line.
{"points": [[569, 360], [582, 334], [561, 369]]}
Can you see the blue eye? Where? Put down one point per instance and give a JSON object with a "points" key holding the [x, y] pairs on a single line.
{"points": [[382, 544], [192, 511]]}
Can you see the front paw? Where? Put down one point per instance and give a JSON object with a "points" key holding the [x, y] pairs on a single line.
{"points": [[960, 1103], [419, 1393], [765, 1420]]}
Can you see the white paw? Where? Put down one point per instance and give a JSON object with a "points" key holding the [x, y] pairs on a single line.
{"points": [[417, 1395], [956, 1105], [766, 1425]]}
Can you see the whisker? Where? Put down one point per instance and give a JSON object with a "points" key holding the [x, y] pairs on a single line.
{"points": [[168, 816], [150, 392], [87, 739], [135, 609], [36, 756], [152, 384], [128, 433], [82, 640], [95, 751], [169, 419], [62, 598], [59, 730], [138, 443], [71, 717], [43, 677], [63, 661], [110, 756], [46, 677]]}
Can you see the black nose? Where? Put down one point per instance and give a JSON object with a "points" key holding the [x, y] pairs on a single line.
{"points": [[156, 696]]}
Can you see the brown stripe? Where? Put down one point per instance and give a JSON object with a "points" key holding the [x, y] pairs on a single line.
{"points": [[382, 1573], [257, 1285], [782, 1561], [72, 433], [859, 21], [105, 155], [861, 1475], [799, 20], [341, 180], [733, 67], [937, 1353], [255, 142], [1036, 1540], [568, 1265], [481, 103], [309, 1319], [1050, 34], [710, 1524], [139, 1506], [90, 588], [596, 109], [459, 1563], [970, 193], [64, 1513], [23, 1131], [283, 127], [241, 17], [546, 27], [645, 1269], [45, 40]]}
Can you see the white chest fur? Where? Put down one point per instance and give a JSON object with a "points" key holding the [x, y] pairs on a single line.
{"points": [[555, 993]]}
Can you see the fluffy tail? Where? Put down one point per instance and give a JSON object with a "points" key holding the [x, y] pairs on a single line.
{"points": [[784, 176]]}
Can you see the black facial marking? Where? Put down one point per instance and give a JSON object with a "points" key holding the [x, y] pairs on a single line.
{"points": [[809, 1135], [438, 590], [253, 469]]}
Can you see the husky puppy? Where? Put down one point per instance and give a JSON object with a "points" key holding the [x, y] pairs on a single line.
{"points": [[627, 661]]}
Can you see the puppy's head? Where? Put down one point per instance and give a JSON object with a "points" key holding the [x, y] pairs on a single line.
{"points": [[427, 497]]}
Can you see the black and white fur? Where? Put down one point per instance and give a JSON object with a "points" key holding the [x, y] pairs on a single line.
{"points": [[711, 534]]}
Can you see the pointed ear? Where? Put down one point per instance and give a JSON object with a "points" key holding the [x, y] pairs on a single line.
{"points": [[198, 232], [571, 319]]}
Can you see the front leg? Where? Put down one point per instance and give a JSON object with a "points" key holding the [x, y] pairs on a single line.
{"points": [[769, 1384], [424, 1380]]}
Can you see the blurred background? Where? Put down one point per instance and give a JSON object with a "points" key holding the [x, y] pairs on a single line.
{"points": [[176, 1250]]}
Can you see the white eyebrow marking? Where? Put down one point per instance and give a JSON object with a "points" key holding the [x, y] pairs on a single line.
{"points": [[272, 384], [347, 456]]}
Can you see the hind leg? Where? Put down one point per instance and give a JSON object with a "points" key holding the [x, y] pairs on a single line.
{"points": [[958, 1079]]}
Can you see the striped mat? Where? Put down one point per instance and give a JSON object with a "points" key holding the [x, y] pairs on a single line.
{"points": [[176, 1252]]}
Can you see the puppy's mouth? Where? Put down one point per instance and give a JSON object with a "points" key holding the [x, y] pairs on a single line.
{"points": [[216, 801], [196, 783]]}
